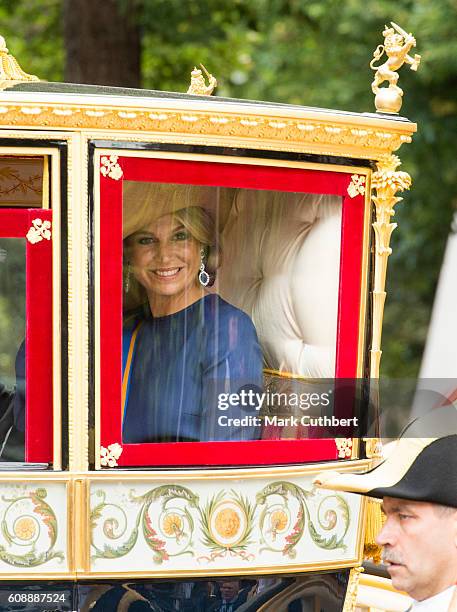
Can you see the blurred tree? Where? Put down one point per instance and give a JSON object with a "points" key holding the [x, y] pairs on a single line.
{"points": [[307, 52], [33, 36], [102, 42]]}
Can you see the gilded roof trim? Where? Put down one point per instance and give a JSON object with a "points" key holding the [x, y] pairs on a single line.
{"points": [[219, 123]]}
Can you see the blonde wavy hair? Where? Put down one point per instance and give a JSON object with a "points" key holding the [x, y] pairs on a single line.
{"points": [[159, 200]]}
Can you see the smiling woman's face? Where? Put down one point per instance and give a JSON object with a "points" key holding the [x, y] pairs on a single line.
{"points": [[166, 258]]}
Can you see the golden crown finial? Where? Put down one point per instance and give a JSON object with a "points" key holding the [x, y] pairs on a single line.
{"points": [[10, 71], [198, 86], [397, 44]]}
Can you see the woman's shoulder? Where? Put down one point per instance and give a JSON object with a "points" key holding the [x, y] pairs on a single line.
{"points": [[133, 317]]}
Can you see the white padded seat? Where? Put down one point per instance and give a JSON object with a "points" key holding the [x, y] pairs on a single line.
{"points": [[281, 261]]}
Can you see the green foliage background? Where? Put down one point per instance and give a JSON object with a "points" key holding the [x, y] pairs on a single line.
{"points": [[313, 53]]}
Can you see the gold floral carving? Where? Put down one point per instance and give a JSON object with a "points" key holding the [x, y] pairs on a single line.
{"points": [[40, 230], [10, 71], [386, 182], [352, 590], [344, 446], [356, 186], [110, 168], [312, 135], [110, 455], [373, 448]]}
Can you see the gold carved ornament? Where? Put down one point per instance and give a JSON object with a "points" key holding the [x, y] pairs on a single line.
{"points": [[10, 71], [375, 520], [198, 86], [386, 182], [397, 44], [353, 587]]}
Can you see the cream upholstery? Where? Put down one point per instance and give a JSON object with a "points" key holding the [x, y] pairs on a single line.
{"points": [[281, 261]]}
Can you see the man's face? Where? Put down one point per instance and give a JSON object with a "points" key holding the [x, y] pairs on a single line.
{"points": [[229, 590], [420, 546]]}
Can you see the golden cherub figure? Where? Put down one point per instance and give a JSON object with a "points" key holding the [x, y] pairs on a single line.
{"points": [[198, 85], [397, 44]]}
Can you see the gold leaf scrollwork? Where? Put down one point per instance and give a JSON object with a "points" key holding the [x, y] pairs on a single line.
{"points": [[373, 448], [386, 182], [110, 455], [110, 168], [344, 446], [356, 186], [40, 230], [353, 587]]}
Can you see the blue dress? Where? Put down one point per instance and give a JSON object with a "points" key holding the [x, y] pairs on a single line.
{"points": [[178, 366]]}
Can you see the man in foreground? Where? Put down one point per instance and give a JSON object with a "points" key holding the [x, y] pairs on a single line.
{"points": [[418, 484]]}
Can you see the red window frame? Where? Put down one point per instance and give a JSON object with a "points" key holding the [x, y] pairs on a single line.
{"points": [[15, 223], [219, 174]]}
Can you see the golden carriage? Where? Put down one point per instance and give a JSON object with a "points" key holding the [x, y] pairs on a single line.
{"points": [[303, 199]]}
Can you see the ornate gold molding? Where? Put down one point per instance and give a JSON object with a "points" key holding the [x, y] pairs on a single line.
{"points": [[386, 182], [10, 71], [360, 136], [353, 587]]}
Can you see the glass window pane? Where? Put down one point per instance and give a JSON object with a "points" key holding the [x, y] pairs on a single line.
{"points": [[12, 348], [227, 293]]}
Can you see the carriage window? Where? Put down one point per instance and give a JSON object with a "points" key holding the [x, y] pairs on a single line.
{"points": [[29, 306], [26, 378], [229, 301], [12, 348]]}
